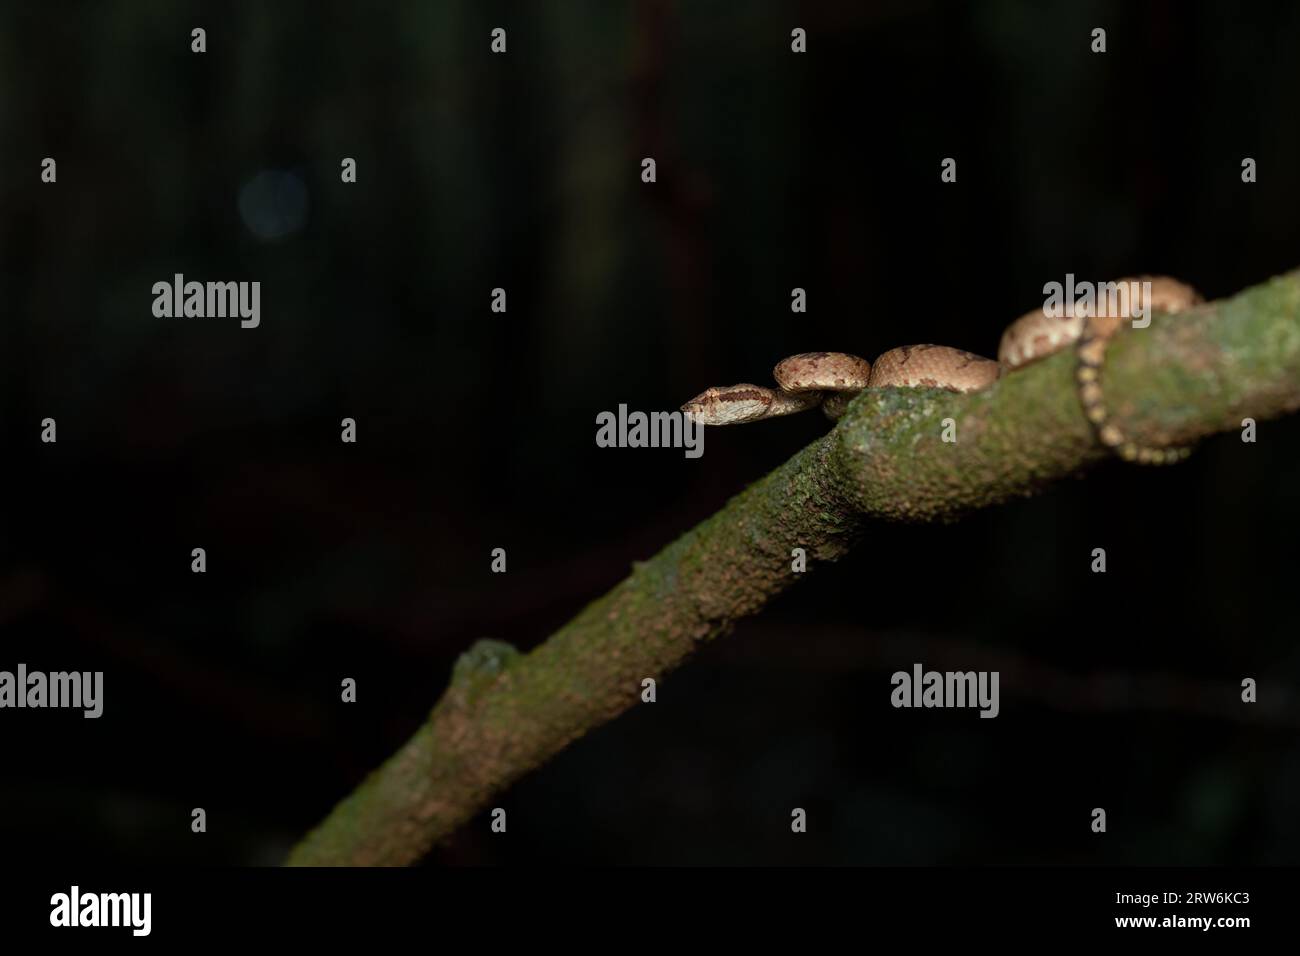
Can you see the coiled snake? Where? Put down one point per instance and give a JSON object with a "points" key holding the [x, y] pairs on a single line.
{"points": [[833, 379]]}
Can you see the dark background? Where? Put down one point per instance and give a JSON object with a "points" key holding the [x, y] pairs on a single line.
{"points": [[476, 430]]}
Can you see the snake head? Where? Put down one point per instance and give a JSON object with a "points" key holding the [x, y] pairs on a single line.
{"points": [[730, 404]]}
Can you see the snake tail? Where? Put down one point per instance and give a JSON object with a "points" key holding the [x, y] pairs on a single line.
{"points": [[1090, 354]]}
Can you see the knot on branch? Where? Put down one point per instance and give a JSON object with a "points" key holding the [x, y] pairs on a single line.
{"points": [[480, 666]]}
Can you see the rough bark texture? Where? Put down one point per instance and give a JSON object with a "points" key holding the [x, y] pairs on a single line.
{"points": [[1182, 378]]}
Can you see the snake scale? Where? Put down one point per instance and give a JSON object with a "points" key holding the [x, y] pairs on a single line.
{"points": [[832, 379]]}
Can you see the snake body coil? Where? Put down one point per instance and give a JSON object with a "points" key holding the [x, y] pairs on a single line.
{"points": [[832, 379]]}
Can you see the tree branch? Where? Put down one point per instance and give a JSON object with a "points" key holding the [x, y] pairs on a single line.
{"points": [[1180, 379]]}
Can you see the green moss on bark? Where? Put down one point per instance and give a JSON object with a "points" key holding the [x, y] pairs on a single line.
{"points": [[1182, 378]]}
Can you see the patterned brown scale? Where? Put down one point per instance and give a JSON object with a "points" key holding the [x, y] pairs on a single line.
{"points": [[933, 366], [1036, 335], [833, 379]]}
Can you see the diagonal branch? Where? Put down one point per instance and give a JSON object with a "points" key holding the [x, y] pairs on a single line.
{"points": [[1180, 379]]}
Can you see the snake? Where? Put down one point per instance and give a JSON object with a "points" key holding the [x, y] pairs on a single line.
{"points": [[831, 380]]}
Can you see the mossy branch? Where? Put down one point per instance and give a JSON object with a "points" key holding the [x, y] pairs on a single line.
{"points": [[1180, 379]]}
